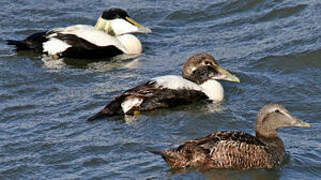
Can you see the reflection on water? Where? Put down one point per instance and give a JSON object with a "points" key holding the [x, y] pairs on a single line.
{"points": [[98, 65], [53, 63], [223, 174], [213, 107], [228, 174]]}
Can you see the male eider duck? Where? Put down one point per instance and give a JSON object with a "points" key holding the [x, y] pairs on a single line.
{"points": [[109, 37], [233, 149], [200, 73]]}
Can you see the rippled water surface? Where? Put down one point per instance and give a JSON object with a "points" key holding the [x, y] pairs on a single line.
{"points": [[273, 46]]}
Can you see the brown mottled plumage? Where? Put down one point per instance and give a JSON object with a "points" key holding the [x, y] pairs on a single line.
{"points": [[232, 149]]}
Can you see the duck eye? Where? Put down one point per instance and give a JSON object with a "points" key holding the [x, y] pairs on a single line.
{"points": [[207, 63]]}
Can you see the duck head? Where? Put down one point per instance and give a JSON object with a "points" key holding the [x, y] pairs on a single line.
{"points": [[202, 67], [116, 21], [274, 116]]}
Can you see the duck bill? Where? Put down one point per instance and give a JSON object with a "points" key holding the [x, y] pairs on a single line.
{"points": [[300, 123], [223, 74], [140, 28]]}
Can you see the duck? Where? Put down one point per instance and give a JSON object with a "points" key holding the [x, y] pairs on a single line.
{"points": [[236, 149], [110, 36], [198, 82]]}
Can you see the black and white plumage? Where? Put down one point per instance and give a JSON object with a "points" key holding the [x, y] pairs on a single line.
{"points": [[109, 37], [198, 82], [233, 149]]}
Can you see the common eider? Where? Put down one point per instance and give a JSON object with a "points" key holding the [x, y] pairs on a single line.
{"points": [[109, 37], [198, 82], [233, 149]]}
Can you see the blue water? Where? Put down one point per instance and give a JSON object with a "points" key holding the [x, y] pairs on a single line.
{"points": [[273, 46]]}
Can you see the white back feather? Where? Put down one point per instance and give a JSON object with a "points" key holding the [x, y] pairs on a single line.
{"points": [[175, 82], [73, 28], [90, 34], [212, 88]]}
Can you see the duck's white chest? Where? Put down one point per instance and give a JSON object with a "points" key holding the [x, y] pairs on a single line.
{"points": [[213, 89]]}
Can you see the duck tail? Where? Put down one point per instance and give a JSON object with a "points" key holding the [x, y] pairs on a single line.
{"points": [[164, 155], [155, 152], [172, 158], [112, 109], [108, 111], [99, 115], [13, 42], [19, 44]]}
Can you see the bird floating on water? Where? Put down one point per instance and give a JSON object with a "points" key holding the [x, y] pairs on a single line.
{"points": [[199, 82], [233, 149], [109, 37]]}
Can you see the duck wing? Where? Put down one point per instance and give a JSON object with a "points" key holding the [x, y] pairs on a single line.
{"points": [[82, 41], [147, 97], [81, 48], [87, 33]]}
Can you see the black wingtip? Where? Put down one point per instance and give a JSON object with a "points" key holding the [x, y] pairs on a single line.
{"points": [[99, 115]]}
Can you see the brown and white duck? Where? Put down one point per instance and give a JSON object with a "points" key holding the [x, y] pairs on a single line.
{"points": [[198, 82], [233, 149]]}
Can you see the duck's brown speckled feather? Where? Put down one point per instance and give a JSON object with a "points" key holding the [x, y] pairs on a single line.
{"points": [[225, 149]]}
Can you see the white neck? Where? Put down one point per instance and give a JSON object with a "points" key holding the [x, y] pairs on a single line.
{"points": [[213, 89], [131, 43]]}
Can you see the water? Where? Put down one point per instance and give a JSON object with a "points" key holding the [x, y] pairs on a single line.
{"points": [[273, 46]]}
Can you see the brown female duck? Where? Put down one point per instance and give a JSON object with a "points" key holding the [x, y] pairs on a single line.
{"points": [[232, 149]]}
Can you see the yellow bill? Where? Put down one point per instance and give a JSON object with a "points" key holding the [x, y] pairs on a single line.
{"points": [[141, 28]]}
